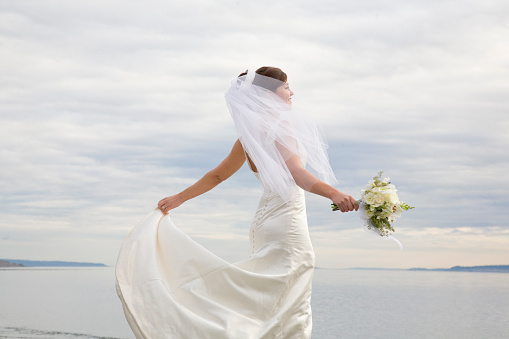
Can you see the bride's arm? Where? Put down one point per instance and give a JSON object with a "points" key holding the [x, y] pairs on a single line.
{"points": [[223, 171], [307, 181]]}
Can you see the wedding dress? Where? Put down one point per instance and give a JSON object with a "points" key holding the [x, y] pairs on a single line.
{"points": [[172, 287]]}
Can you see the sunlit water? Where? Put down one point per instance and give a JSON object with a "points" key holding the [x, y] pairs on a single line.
{"points": [[82, 303]]}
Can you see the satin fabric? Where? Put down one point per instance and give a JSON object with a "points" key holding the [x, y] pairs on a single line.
{"points": [[172, 287]]}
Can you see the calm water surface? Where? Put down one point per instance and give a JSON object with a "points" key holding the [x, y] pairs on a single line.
{"points": [[410, 304], [82, 303]]}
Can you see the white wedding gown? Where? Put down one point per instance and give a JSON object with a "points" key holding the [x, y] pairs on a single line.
{"points": [[172, 287]]}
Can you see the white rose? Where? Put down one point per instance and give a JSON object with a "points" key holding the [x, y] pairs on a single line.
{"points": [[378, 200], [391, 197], [369, 198]]}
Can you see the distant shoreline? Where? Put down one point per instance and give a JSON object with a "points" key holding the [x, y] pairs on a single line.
{"points": [[7, 263], [485, 268], [41, 263], [4, 263]]}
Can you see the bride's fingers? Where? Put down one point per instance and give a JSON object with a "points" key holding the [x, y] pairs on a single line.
{"points": [[161, 203], [352, 204], [348, 206], [341, 206], [355, 207]]}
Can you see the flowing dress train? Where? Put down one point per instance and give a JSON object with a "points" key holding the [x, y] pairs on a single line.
{"points": [[172, 287]]}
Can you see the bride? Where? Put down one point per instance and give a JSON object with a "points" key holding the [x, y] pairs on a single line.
{"points": [[171, 287]]}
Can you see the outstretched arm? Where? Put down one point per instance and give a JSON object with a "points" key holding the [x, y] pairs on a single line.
{"points": [[310, 183], [307, 181], [223, 171]]}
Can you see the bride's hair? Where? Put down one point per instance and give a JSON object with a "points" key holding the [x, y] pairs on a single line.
{"points": [[271, 72]]}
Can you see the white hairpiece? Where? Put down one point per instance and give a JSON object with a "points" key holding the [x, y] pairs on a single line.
{"points": [[248, 80]]}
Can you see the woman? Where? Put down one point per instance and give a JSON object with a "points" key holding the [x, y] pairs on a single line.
{"points": [[171, 287]]}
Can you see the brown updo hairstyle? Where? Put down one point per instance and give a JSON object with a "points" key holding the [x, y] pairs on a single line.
{"points": [[271, 72]]}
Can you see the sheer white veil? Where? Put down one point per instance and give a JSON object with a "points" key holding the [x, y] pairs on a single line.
{"points": [[272, 131]]}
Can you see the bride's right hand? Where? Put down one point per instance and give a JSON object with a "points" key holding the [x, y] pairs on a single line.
{"points": [[169, 203]]}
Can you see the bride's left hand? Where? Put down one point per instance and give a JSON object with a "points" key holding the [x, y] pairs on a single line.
{"points": [[169, 203], [345, 202]]}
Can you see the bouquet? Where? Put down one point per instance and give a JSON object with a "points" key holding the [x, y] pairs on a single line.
{"points": [[380, 205]]}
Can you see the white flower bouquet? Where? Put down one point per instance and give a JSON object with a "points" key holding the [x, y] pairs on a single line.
{"points": [[380, 205]]}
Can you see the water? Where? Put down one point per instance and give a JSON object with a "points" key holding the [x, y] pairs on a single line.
{"points": [[410, 304], [82, 303], [60, 303]]}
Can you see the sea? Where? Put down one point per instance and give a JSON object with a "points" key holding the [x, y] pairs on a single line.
{"points": [[81, 303]]}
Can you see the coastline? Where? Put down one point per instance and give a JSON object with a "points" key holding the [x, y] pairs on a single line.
{"points": [[41, 263], [4, 263], [13, 263], [481, 269]]}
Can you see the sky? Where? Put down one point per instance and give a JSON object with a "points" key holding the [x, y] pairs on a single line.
{"points": [[106, 107]]}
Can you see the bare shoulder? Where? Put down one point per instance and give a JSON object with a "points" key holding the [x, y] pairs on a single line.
{"points": [[232, 163], [237, 150], [237, 146]]}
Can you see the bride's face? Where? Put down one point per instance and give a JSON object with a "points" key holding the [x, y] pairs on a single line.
{"points": [[285, 93]]}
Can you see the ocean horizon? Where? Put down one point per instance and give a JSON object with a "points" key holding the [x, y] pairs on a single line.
{"points": [[61, 263]]}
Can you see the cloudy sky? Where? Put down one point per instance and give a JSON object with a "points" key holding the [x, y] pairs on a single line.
{"points": [[108, 106]]}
